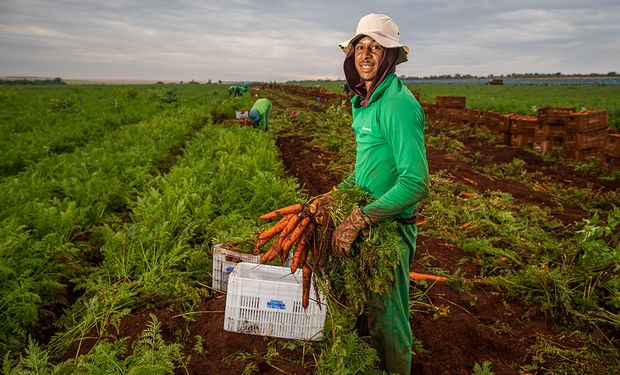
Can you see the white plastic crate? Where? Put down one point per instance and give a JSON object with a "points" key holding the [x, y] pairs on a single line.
{"points": [[266, 300], [241, 114], [224, 261]]}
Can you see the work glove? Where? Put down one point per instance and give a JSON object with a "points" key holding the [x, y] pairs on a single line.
{"points": [[319, 208], [345, 234]]}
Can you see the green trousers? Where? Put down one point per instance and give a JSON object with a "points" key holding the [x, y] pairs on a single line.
{"points": [[388, 315]]}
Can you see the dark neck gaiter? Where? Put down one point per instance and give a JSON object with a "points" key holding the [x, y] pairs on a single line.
{"points": [[356, 84]]}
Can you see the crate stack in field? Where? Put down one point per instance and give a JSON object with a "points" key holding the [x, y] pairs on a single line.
{"points": [[549, 132], [522, 129], [611, 150], [577, 135], [450, 110], [585, 135], [476, 118], [498, 125]]}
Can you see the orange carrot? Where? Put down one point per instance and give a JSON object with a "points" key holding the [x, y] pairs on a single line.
{"points": [[277, 228], [306, 253], [290, 226], [265, 236], [466, 225], [295, 235], [415, 276], [292, 209], [270, 254], [470, 181], [465, 194], [306, 280], [420, 223], [301, 248]]}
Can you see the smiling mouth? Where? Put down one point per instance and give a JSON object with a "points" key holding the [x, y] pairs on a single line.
{"points": [[366, 68]]}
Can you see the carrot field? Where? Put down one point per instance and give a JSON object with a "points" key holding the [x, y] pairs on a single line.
{"points": [[113, 197]]}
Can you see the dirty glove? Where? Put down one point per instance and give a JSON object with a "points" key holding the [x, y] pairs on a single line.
{"points": [[345, 234], [318, 208]]}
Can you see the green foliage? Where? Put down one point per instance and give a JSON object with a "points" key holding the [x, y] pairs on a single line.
{"points": [[347, 353], [600, 243], [150, 355], [514, 170], [583, 289], [482, 369], [446, 143], [224, 181], [588, 358], [227, 176], [376, 254], [571, 277]]}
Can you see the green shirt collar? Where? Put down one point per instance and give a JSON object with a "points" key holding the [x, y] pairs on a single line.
{"points": [[387, 81]]}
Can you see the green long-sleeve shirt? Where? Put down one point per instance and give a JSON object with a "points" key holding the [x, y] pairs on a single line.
{"points": [[391, 155], [263, 106]]}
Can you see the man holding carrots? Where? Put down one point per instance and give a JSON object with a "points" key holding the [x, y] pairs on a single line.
{"points": [[391, 165]]}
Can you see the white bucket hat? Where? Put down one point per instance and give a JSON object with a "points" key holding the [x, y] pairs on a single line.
{"points": [[383, 30]]}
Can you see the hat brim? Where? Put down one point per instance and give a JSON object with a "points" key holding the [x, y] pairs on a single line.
{"points": [[384, 41]]}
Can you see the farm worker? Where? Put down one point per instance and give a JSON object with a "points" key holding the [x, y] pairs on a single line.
{"points": [[237, 90], [391, 164], [259, 114], [234, 91]]}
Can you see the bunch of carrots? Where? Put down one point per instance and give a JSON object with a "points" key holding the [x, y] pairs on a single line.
{"points": [[302, 229], [294, 231]]}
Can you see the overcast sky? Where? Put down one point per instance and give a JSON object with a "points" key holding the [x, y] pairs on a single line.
{"points": [[282, 40]]}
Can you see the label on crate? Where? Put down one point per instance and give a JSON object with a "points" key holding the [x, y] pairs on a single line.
{"points": [[229, 269], [276, 304]]}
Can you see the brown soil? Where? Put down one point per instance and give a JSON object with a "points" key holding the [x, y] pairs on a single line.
{"points": [[456, 329]]}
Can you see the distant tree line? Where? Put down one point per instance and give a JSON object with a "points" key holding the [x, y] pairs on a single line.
{"points": [[24, 81], [513, 75], [490, 76]]}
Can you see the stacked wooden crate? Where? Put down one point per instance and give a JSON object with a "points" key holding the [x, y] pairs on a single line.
{"points": [[449, 110], [578, 135], [495, 123], [549, 132], [522, 129], [451, 101], [611, 150], [430, 111], [456, 116], [475, 118], [585, 135]]}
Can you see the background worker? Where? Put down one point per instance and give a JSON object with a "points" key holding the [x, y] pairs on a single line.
{"points": [[237, 90], [390, 164], [259, 114]]}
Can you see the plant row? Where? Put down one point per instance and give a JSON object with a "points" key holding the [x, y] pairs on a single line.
{"points": [[38, 122], [45, 209]]}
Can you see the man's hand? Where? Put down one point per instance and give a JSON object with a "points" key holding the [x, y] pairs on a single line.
{"points": [[346, 233], [318, 208]]}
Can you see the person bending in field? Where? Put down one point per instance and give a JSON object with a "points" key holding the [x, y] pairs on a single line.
{"points": [[238, 90], [391, 165], [259, 114]]}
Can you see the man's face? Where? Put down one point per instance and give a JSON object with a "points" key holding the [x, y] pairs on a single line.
{"points": [[368, 55]]}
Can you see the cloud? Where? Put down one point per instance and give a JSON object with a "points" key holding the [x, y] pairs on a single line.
{"points": [[281, 40]]}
